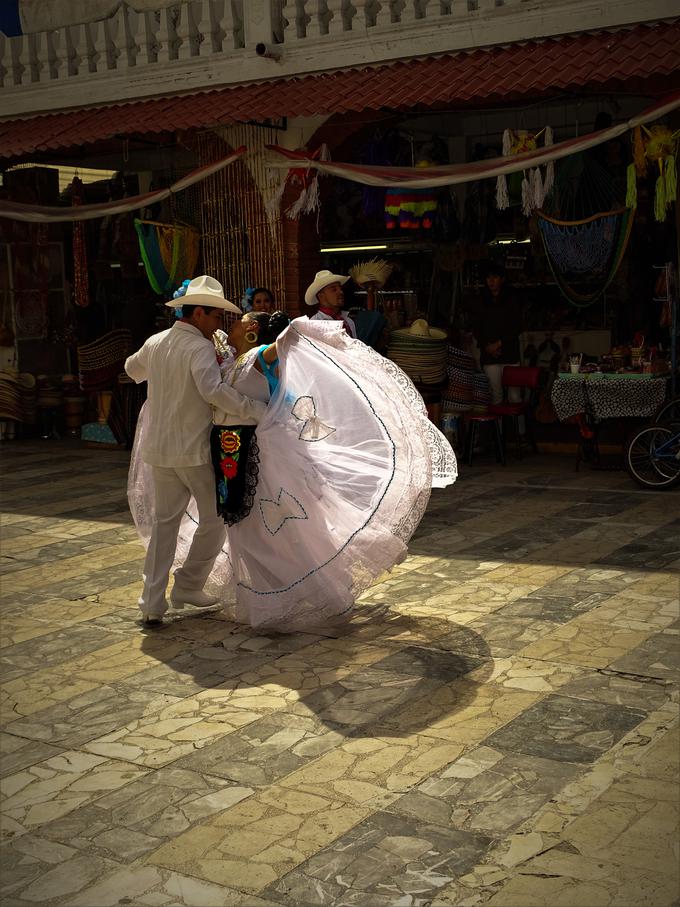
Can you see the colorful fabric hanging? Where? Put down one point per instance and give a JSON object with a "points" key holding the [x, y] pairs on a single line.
{"points": [[307, 180], [584, 255], [454, 174], [169, 253], [532, 187], [410, 210], [53, 214], [657, 145]]}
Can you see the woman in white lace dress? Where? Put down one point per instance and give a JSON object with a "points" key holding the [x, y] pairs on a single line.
{"points": [[347, 461]]}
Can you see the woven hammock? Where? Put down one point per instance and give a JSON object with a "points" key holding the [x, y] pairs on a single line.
{"points": [[584, 255], [169, 253]]}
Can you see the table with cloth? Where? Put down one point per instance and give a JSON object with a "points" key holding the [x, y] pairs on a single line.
{"points": [[608, 395], [592, 398]]}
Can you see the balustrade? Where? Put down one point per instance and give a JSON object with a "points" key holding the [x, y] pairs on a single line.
{"points": [[185, 33]]}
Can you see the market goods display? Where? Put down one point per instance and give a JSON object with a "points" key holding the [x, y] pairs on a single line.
{"points": [[459, 395], [420, 351]]}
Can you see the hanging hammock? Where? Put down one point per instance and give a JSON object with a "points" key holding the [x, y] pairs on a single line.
{"points": [[169, 253], [583, 187], [584, 255]]}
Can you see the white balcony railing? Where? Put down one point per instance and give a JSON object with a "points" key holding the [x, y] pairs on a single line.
{"points": [[127, 40], [200, 44]]}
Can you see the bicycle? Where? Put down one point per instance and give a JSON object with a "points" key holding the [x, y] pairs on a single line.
{"points": [[653, 455], [668, 411]]}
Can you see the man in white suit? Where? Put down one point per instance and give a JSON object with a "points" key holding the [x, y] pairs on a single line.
{"points": [[184, 384]]}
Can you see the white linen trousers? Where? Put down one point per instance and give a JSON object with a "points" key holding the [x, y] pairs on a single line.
{"points": [[173, 489]]}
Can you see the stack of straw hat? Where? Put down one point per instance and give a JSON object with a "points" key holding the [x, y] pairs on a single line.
{"points": [[420, 351], [460, 371], [17, 396], [481, 392]]}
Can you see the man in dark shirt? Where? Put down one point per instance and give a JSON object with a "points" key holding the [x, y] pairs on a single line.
{"points": [[498, 325]]}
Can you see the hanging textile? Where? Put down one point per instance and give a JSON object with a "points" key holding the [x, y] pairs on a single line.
{"points": [[584, 185], [411, 210], [101, 361], [584, 255], [31, 267], [532, 188], [169, 253], [81, 281], [308, 201], [658, 145], [52, 214], [453, 174]]}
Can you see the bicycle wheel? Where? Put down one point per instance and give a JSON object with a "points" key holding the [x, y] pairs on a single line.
{"points": [[653, 457], [668, 411]]}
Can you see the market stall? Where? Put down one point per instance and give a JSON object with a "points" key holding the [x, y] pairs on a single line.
{"points": [[578, 226]]}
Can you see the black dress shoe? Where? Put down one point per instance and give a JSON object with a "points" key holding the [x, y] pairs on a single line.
{"points": [[151, 621]]}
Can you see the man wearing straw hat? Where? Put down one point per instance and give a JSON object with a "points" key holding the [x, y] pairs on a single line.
{"points": [[326, 290], [184, 384]]}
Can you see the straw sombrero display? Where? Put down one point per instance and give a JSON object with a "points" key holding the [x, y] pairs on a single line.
{"points": [[481, 392], [17, 396], [375, 271], [420, 351], [460, 369]]}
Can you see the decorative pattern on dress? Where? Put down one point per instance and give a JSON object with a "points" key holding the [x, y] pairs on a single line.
{"points": [[304, 410], [276, 513]]}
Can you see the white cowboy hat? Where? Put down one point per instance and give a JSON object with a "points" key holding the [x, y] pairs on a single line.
{"points": [[204, 291], [322, 279], [421, 330]]}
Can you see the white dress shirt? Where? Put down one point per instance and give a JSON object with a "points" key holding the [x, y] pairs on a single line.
{"points": [[322, 316], [185, 384]]}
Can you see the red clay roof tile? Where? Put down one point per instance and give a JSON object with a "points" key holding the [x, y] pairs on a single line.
{"points": [[611, 59]]}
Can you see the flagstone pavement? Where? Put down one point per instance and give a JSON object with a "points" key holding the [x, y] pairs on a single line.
{"points": [[497, 725]]}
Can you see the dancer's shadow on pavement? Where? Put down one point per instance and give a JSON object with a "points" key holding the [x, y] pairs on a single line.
{"points": [[382, 674]]}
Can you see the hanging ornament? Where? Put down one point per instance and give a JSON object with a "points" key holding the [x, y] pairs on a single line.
{"points": [[656, 145], [81, 283], [534, 188], [411, 209], [307, 180]]}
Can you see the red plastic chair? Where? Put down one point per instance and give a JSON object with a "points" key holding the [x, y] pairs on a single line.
{"points": [[525, 377]]}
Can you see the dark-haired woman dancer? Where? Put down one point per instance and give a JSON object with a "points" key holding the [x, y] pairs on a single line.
{"points": [[251, 371]]}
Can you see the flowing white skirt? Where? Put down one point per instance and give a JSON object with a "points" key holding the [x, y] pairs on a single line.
{"points": [[348, 458]]}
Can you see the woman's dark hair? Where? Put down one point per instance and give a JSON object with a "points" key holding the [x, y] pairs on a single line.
{"points": [[270, 325], [263, 290]]}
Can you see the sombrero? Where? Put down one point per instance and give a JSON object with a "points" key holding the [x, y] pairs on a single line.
{"points": [[420, 330], [321, 280], [204, 291]]}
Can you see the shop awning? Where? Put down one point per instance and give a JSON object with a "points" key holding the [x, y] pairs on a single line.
{"points": [[645, 58]]}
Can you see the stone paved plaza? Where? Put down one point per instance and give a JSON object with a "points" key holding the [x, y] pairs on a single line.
{"points": [[497, 725]]}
